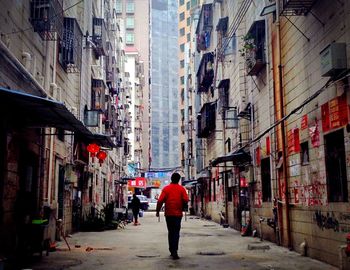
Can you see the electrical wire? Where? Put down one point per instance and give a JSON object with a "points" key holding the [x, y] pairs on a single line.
{"points": [[295, 110], [54, 16]]}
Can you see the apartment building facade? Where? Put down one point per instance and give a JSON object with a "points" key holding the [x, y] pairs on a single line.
{"points": [[135, 14], [60, 87], [274, 121]]}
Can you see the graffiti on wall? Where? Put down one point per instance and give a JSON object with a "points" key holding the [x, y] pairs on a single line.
{"points": [[338, 222], [326, 221]]}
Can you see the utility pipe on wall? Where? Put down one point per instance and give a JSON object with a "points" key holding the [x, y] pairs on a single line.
{"points": [[283, 135]]}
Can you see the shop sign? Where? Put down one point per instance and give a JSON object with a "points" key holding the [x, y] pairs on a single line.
{"points": [[139, 182]]}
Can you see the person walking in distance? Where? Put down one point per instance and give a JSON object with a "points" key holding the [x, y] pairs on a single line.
{"points": [[175, 198], [135, 206]]}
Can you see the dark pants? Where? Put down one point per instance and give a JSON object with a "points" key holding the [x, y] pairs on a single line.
{"points": [[174, 226], [136, 215]]}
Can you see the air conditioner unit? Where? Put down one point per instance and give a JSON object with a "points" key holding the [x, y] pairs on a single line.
{"points": [[97, 72], [333, 59]]}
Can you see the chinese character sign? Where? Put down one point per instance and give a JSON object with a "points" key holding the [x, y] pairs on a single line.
{"points": [[139, 182]]}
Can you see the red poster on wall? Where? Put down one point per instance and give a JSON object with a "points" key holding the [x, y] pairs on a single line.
{"points": [[304, 122], [325, 117], [268, 146], [257, 156], [293, 141], [335, 113]]}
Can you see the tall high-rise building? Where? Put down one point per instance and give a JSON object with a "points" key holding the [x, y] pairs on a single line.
{"points": [[164, 84], [135, 14], [187, 25]]}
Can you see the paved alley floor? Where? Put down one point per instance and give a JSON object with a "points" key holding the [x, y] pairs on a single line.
{"points": [[203, 245]]}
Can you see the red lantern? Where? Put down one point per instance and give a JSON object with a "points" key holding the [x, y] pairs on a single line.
{"points": [[93, 149], [101, 156]]}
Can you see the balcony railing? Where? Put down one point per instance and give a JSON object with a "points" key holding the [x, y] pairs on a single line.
{"points": [[254, 48], [70, 46], [46, 17], [205, 73], [204, 27], [98, 95], [296, 7], [99, 36]]}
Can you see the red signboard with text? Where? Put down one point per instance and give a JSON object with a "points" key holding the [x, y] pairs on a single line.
{"points": [[139, 182], [293, 141], [334, 113]]}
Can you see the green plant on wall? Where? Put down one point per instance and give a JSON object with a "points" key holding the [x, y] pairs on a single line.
{"points": [[248, 45]]}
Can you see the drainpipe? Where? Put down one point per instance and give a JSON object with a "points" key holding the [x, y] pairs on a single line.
{"points": [[283, 135]]}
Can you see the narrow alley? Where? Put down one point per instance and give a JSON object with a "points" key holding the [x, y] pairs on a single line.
{"points": [[203, 245]]}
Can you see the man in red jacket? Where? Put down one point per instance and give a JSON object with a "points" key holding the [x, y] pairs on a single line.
{"points": [[175, 198]]}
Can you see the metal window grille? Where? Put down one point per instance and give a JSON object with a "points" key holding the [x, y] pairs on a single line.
{"points": [[46, 17], [71, 46]]}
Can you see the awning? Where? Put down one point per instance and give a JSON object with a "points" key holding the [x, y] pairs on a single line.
{"points": [[188, 183], [203, 174], [238, 157], [100, 139], [25, 110]]}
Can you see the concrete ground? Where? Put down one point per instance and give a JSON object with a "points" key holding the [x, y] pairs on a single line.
{"points": [[203, 245]]}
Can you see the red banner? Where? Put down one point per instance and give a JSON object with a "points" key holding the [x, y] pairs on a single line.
{"points": [[334, 113], [304, 122], [139, 182], [293, 141], [268, 146], [257, 156]]}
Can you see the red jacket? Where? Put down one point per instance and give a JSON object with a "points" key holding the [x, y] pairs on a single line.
{"points": [[174, 196]]}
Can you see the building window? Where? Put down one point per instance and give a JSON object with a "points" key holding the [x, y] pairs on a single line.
{"points": [[60, 134], [182, 80], [304, 153], [119, 7], [130, 23], [188, 5], [129, 38], [130, 7], [182, 63], [182, 16], [182, 95], [231, 45], [194, 3], [188, 37], [181, 2], [182, 47], [336, 167], [188, 21], [266, 179], [182, 32]]}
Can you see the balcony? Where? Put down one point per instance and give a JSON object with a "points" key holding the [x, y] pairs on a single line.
{"points": [[206, 120], [98, 95], [296, 7], [70, 46], [205, 73], [253, 49], [204, 27], [99, 36], [46, 17]]}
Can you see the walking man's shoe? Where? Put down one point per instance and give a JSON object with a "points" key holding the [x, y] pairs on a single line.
{"points": [[175, 256]]}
